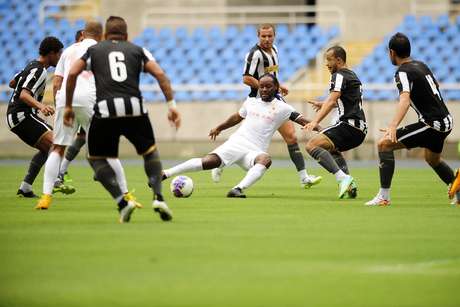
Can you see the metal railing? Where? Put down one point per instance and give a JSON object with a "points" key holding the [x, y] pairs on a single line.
{"points": [[241, 15], [66, 6]]}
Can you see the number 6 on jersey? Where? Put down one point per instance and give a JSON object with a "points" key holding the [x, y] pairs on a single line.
{"points": [[117, 66]]}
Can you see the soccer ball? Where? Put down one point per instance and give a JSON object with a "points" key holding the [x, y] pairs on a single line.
{"points": [[182, 186]]}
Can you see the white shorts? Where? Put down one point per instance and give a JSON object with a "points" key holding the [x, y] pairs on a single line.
{"points": [[64, 135], [240, 153]]}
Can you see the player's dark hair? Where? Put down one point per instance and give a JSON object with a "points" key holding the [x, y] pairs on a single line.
{"points": [[266, 26], [400, 44], [116, 25], [50, 44], [78, 35], [339, 52], [93, 29], [275, 80]]}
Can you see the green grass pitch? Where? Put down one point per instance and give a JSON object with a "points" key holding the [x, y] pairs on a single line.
{"points": [[282, 246]]}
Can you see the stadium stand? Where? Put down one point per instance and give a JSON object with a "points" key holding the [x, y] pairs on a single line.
{"points": [[204, 55], [434, 41]]}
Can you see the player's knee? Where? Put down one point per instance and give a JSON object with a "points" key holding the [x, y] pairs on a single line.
{"points": [[384, 145], [432, 161], [264, 159], [211, 161], [290, 139]]}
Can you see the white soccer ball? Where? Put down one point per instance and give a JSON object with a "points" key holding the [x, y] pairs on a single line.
{"points": [[181, 186]]}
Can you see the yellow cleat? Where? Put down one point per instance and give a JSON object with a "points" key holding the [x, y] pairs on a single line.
{"points": [[455, 186], [130, 197], [44, 202]]}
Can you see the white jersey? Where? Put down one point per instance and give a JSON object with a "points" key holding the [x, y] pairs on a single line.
{"points": [[261, 120], [85, 89]]}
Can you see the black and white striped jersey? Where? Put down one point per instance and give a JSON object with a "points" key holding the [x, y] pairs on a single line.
{"points": [[259, 62], [32, 78], [350, 104], [117, 66], [417, 79]]}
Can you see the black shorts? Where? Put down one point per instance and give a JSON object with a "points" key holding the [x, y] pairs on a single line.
{"points": [[31, 129], [344, 136], [104, 135], [421, 135], [80, 130]]}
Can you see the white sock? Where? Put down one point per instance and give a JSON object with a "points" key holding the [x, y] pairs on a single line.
{"points": [[64, 166], [192, 165], [384, 193], [51, 172], [340, 175], [253, 174], [115, 164], [303, 174], [25, 187]]}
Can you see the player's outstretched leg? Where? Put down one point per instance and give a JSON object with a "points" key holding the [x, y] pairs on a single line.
{"points": [[152, 167], [287, 131], [71, 154], [210, 161], [36, 163], [107, 177], [261, 164]]}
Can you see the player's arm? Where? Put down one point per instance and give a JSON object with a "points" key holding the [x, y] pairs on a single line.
{"points": [[158, 73], [57, 83], [326, 106], [75, 70], [401, 111], [233, 120], [13, 82], [251, 81], [27, 98]]}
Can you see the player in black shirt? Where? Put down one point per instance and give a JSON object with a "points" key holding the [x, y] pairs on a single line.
{"points": [[119, 110], [419, 89], [345, 93], [24, 105]]}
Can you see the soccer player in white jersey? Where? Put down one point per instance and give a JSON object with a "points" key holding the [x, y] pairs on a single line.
{"points": [[85, 97], [248, 146]]}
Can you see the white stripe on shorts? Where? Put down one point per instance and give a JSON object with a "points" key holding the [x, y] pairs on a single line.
{"points": [[413, 133]]}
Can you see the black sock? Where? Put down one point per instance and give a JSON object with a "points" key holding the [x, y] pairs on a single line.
{"points": [[296, 156], [74, 149], [340, 160], [325, 159], [444, 172], [153, 168], [35, 166], [386, 168], [106, 175]]}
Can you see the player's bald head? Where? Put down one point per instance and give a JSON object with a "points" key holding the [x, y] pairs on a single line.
{"points": [[93, 28], [116, 26]]}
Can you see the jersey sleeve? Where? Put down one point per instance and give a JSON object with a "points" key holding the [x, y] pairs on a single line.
{"points": [[402, 82], [87, 58], [34, 78], [337, 83], [147, 56], [289, 112], [59, 71], [251, 62], [243, 110]]}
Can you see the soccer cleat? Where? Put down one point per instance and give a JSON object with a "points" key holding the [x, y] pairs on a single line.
{"points": [[162, 209], [344, 185], [310, 181], [378, 201], [29, 194], [129, 196], [125, 213], [66, 178], [455, 186], [63, 188], [216, 173], [456, 199], [236, 193], [352, 190], [44, 203]]}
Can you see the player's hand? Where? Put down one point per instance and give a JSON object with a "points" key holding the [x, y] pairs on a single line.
{"points": [[46, 110], [69, 116], [310, 126], [315, 104], [174, 118], [214, 133], [283, 90], [390, 133]]}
